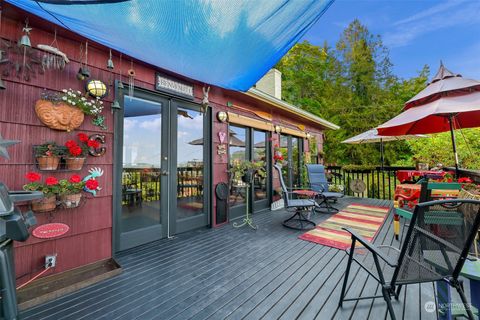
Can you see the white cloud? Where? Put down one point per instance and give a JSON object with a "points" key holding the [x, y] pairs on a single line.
{"points": [[154, 124], [442, 16]]}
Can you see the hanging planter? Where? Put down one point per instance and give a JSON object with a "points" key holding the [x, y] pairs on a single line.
{"points": [[71, 200], [48, 162], [59, 116], [48, 156], [45, 205], [74, 164]]}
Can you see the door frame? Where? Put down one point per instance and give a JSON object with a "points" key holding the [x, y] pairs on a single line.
{"points": [[167, 137], [289, 158]]}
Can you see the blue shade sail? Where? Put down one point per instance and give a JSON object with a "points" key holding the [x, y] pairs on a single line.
{"points": [[227, 43]]}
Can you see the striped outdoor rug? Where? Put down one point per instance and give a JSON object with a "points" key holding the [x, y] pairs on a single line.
{"points": [[364, 219]]}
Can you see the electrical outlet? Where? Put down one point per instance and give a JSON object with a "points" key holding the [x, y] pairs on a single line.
{"points": [[50, 260]]}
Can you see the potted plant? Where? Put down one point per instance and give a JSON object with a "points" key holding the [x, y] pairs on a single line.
{"points": [[48, 156], [245, 170], [50, 190], [70, 191], [66, 110], [76, 153]]}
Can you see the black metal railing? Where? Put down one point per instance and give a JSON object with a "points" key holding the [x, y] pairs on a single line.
{"points": [[145, 182], [376, 183]]}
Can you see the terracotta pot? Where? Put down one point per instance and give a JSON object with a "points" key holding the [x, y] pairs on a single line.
{"points": [[44, 205], [71, 200], [74, 163], [59, 116], [48, 162]]}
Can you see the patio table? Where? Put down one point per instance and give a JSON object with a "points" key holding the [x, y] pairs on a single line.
{"points": [[306, 193], [409, 175], [412, 192]]}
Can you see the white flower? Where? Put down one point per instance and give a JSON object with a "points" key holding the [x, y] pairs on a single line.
{"points": [[69, 93], [64, 90], [79, 93], [73, 103], [101, 102], [84, 99], [64, 98]]}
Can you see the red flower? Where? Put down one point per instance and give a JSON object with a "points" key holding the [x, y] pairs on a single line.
{"points": [[91, 184], [33, 176], [51, 181], [93, 143], [75, 151], [75, 178], [465, 180], [82, 137], [70, 144]]}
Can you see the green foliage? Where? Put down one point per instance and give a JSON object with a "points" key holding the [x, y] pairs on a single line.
{"points": [[358, 167], [438, 149], [351, 85]]}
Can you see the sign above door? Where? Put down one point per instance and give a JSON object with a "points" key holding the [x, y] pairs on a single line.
{"points": [[173, 86]]}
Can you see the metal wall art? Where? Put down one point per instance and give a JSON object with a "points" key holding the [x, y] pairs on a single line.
{"points": [[95, 149], [53, 58]]}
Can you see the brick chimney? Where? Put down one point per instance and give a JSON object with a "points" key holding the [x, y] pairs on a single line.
{"points": [[271, 83]]}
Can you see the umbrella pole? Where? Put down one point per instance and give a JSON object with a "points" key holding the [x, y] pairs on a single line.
{"points": [[452, 133], [382, 158]]}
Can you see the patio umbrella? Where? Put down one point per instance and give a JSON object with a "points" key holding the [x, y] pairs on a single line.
{"points": [[449, 102], [372, 136]]}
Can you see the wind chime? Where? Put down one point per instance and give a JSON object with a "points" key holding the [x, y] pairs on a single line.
{"points": [[83, 72], [131, 79], [53, 58], [25, 43], [120, 84]]}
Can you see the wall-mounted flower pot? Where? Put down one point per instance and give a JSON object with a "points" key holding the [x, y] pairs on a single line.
{"points": [[74, 163], [71, 200], [44, 205], [59, 116], [48, 162]]}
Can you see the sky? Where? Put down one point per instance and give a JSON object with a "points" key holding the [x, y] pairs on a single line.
{"points": [[417, 32]]}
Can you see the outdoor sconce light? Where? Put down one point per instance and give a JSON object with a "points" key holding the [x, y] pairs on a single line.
{"points": [[116, 105], [222, 116], [96, 88], [278, 129], [308, 135]]}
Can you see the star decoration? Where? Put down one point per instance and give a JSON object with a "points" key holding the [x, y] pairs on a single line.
{"points": [[3, 146]]}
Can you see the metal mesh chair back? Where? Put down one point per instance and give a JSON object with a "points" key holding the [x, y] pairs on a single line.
{"points": [[286, 197], [438, 240], [317, 178]]}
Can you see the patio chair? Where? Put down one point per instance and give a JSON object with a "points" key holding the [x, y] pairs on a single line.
{"points": [[301, 207], [318, 183], [426, 255]]}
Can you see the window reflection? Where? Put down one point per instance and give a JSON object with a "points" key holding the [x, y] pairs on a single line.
{"points": [[237, 138], [259, 154], [190, 174]]}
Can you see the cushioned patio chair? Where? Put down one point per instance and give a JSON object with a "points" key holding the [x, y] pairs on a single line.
{"points": [[318, 183], [302, 207], [431, 251]]}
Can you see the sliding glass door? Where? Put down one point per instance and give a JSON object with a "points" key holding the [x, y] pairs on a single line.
{"points": [[292, 150]]}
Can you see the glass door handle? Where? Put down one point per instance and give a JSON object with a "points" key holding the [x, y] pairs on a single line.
{"points": [[165, 173]]}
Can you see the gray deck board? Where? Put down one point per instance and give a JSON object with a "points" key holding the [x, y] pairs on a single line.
{"points": [[229, 273]]}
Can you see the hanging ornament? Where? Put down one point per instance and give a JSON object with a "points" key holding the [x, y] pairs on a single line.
{"points": [[110, 61], [53, 58], [131, 79], [120, 84]]}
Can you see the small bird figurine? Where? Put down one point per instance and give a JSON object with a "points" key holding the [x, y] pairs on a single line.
{"points": [[94, 173]]}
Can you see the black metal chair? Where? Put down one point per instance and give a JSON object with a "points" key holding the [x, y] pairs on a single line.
{"points": [[299, 220], [319, 183], [431, 251]]}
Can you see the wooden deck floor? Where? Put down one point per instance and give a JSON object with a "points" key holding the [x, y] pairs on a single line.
{"points": [[229, 273]]}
